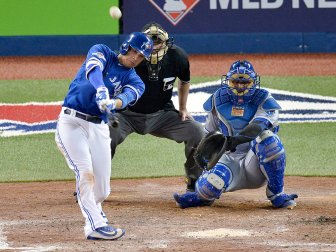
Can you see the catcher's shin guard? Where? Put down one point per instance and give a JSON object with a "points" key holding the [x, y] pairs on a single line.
{"points": [[272, 158], [213, 183]]}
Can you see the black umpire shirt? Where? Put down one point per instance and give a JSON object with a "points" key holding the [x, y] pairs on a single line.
{"points": [[158, 94]]}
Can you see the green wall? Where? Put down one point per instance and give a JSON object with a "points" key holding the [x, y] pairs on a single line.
{"points": [[57, 17]]}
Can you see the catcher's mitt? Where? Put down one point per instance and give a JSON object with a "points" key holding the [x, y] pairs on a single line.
{"points": [[210, 150]]}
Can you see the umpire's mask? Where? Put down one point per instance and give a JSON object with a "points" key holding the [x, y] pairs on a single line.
{"points": [[161, 44]]}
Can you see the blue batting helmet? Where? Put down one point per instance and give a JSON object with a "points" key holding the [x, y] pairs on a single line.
{"points": [[139, 42], [241, 82]]}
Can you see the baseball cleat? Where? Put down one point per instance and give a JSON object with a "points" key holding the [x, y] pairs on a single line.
{"points": [[106, 233], [190, 199], [289, 204], [284, 200], [177, 200]]}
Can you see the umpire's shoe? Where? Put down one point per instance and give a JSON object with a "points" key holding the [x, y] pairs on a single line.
{"points": [[106, 233], [190, 184]]}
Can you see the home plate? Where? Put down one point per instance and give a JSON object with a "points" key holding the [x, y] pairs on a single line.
{"points": [[219, 233]]}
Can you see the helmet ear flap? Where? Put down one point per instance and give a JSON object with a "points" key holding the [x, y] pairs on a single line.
{"points": [[124, 48]]}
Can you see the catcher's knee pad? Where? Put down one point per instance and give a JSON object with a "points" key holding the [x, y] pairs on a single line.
{"points": [[213, 183], [271, 153]]}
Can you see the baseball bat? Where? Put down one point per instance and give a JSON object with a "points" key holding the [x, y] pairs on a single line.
{"points": [[112, 120]]}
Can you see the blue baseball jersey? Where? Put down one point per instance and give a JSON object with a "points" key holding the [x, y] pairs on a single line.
{"points": [[117, 78]]}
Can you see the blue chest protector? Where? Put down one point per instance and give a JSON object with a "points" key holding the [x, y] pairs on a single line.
{"points": [[232, 118]]}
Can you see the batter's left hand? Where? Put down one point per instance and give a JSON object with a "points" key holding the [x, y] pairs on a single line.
{"points": [[185, 115]]}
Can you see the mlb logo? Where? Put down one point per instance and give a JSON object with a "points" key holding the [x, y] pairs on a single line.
{"points": [[174, 10]]}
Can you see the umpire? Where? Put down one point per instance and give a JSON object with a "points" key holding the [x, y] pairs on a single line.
{"points": [[154, 113]]}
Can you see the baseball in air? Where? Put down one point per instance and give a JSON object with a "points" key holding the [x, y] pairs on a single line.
{"points": [[115, 12]]}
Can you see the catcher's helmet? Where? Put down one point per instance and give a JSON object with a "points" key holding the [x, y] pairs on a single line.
{"points": [[139, 42], [161, 41], [241, 81]]}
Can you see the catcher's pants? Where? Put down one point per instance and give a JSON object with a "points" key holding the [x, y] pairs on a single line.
{"points": [[86, 148], [245, 170]]}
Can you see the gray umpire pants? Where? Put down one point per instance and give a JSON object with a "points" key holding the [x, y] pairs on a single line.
{"points": [[165, 124]]}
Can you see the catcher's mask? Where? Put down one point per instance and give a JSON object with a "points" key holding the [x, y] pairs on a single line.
{"points": [[161, 44], [139, 42], [241, 81]]}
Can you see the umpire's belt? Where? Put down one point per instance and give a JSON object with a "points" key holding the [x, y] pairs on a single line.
{"points": [[93, 119]]}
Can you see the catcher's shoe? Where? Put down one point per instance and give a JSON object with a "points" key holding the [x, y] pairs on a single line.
{"points": [[290, 204], [106, 233], [283, 200], [190, 199]]}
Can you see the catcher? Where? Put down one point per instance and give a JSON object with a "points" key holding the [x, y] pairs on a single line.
{"points": [[242, 149]]}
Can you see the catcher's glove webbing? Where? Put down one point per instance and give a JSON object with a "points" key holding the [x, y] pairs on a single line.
{"points": [[210, 150]]}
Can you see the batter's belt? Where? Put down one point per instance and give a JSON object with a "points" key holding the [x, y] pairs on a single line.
{"points": [[93, 119]]}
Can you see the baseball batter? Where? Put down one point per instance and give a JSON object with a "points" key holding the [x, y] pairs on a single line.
{"points": [[106, 82], [247, 116]]}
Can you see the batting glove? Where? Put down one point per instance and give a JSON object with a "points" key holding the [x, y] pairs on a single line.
{"points": [[103, 101]]}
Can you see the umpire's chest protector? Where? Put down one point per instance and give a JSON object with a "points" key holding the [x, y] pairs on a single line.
{"points": [[234, 117]]}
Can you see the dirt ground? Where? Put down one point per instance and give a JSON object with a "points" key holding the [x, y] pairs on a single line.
{"points": [[43, 216]]}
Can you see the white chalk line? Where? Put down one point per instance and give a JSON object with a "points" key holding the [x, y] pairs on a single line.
{"points": [[307, 246], [220, 233], [158, 244], [229, 233], [4, 245]]}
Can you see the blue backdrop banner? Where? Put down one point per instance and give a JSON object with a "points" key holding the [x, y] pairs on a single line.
{"points": [[231, 16]]}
